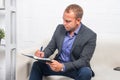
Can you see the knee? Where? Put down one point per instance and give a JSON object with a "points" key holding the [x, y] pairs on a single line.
{"points": [[38, 65], [85, 72], [35, 63]]}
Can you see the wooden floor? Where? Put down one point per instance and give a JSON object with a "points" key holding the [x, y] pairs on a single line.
{"points": [[2, 63]]}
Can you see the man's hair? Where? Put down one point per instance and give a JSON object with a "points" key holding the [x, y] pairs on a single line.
{"points": [[76, 9]]}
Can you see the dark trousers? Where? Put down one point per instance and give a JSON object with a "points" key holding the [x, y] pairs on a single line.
{"points": [[41, 69]]}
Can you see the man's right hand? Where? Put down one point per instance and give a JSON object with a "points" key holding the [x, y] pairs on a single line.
{"points": [[39, 53]]}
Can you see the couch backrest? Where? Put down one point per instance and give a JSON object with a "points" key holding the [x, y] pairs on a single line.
{"points": [[107, 53]]}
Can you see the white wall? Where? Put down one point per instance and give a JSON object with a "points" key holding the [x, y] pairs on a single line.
{"points": [[37, 19]]}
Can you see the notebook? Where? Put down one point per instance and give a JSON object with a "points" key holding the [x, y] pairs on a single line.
{"points": [[37, 58]]}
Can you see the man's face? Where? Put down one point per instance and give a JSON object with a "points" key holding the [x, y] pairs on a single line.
{"points": [[70, 22]]}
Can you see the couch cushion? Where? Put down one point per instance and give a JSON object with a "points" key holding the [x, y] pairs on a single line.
{"points": [[56, 77]]}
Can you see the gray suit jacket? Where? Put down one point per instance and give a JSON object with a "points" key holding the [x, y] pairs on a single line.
{"points": [[82, 49]]}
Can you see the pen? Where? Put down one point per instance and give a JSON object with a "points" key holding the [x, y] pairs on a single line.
{"points": [[41, 48]]}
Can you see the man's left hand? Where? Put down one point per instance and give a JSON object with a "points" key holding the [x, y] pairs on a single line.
{"points": [[55, 66]]}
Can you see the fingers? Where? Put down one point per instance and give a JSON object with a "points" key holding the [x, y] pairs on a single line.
{"points": [[55, 65], [39, 53]]}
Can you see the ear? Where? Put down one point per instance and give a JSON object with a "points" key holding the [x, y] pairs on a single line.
{"points": [[78, 20]]}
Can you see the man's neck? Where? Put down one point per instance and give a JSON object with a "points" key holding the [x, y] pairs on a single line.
{"points": [[72, 32]]}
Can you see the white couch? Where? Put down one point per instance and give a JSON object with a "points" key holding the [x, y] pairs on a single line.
{"points": [[105, 58]]}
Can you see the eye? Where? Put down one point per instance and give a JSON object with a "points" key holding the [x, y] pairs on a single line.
{"points": [[67, 21]]}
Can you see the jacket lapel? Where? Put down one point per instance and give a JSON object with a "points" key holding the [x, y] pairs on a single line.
{"points": [[63, 32], [78, 37]]}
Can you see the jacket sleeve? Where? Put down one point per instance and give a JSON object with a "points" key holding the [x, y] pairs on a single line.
{"points": [[51, 47]]}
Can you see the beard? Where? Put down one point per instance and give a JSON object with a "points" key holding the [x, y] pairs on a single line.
{"points": [[70, 29]]}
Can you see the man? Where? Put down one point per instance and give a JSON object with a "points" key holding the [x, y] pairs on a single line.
{"points": [[75, 43]]}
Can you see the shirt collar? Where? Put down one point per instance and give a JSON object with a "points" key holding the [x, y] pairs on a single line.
{"points": [[77, 30]]}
